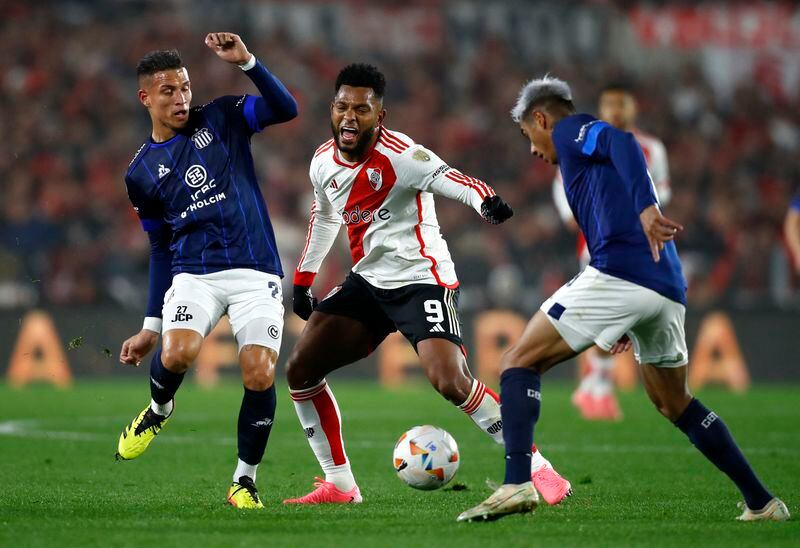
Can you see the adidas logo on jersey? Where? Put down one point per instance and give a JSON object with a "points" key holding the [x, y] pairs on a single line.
{"points": [[162, 170], [437, 328], [334, 184]]}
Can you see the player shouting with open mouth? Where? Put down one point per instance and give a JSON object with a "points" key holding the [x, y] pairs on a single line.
{"points": [[380, 185]]}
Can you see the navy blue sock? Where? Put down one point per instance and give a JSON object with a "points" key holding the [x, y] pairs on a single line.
{"points": [[255, 423], [709, 434], [521, 400], [163, 382]]}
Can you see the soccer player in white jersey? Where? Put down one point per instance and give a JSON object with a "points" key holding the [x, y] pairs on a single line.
{"points": [[381, 186], [595, 396], [633, 287], [213, 251]]}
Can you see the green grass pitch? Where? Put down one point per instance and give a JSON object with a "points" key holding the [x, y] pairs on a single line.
{"points": [[637, 482]]}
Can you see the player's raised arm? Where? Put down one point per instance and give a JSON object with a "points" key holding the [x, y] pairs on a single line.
{"points": [[323, 226], [276, 104], [605, 141], [431, 174]]}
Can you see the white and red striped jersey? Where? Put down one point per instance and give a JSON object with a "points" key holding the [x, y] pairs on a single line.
{"points": [[655, 154], [386, 202]]}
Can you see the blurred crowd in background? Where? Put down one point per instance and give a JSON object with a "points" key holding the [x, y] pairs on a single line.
{"points": [[71, 122]]}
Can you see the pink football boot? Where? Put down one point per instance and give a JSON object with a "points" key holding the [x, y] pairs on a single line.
{"points": [[328, 493], [607, 408], [585, 403], [551, 485]]}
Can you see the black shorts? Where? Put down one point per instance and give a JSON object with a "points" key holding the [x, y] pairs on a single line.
{"points": [[418, 311]]}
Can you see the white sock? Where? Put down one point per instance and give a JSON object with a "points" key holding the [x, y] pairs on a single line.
{"points": [[483, 407], [165, 410], [602, 365], [244, 469], [537, 460], [320, 418]]}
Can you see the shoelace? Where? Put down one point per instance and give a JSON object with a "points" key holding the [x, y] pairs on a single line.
{"points": [[320, 486], [150, 421], [247, 484]]}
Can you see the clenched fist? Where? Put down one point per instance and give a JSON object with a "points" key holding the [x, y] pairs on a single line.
{"points": [[229, 47], [495, 210]]}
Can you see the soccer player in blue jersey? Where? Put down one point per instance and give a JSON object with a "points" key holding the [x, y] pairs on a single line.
{"points": [[791, 231], [213, 250], [633, 288]]}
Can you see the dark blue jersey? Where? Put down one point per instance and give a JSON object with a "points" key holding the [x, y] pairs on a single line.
{"points": [[198, 190], [795, 203], [607, 186]]}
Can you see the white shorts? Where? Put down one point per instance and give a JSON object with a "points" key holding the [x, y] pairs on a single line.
{"points": [[253, 301], [595, 308]]}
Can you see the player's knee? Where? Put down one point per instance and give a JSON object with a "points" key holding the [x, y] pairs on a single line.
{"points": [[298, 374], [258, 367], [177, 358], [258, 379]]}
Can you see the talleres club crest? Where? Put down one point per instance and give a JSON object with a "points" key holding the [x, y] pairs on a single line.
{"points": [[374, 177]]}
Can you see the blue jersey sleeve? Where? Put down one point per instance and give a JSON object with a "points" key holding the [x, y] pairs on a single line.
{"points": [[252, 114], [160, 269], [795, 203], [147, 207], [599, 141], [160, 273]]}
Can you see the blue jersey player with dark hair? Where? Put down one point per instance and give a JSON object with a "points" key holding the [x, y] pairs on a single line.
{"points": [[213, 251], [632, 292], [791, 230]]}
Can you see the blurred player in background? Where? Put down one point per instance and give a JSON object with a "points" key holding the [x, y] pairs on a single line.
{"points": [[791, 230], [595, 396], [381, 185], [634, 286], [194, 188]]}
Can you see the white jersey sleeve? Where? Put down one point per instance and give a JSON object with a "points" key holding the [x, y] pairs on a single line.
{"points": [[659, 170], [323, 227], [655, 153], [425, 171], [560, 199]]}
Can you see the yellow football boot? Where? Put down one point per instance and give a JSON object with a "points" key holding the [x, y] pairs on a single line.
{"points": [[243, 494], [139, 433]]}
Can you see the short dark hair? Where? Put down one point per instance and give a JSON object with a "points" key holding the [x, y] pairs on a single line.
{"points": [[156, 61], [621, 86], [362, 75]]}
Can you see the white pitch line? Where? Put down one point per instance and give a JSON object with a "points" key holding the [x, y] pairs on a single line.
{"points": [[28, 428]]}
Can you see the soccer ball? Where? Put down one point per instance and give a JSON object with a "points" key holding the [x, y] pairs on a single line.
{"points": [[426, 457]]}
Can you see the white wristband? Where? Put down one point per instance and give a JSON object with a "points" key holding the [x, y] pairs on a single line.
{"points": [[152, 324], [250, 64]]}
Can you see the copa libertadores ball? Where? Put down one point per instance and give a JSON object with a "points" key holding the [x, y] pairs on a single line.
{"points": [[426, 457]]}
